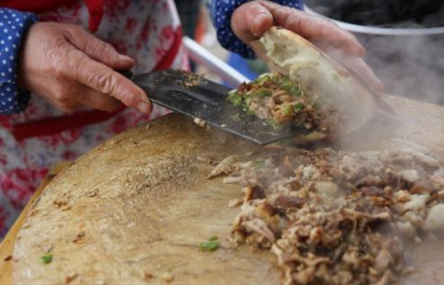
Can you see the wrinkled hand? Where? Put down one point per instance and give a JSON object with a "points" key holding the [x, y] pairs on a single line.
{"points": [[250, 21], [71, 68]]}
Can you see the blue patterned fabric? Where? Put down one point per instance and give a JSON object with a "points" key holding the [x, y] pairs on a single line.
{"points": [[13, 26], [221, 11]]}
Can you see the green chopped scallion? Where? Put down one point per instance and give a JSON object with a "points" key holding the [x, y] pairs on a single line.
{"points": [[248, 111], [263, 78], [298, 107], [259, 163], [209, 246], [236, 99], [263, 93], [46, 258], [287, 109], [274, 124], [213, 238], [293, 90]]}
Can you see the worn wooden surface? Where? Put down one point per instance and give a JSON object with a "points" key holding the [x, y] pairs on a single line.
{"points": [[7, 245], [142, 205]]}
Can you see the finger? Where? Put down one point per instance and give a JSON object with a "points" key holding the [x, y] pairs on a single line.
{"points": [[250, 21], [101, 78], [97, 49], [314, 28], [367, 75], [358, 67], [91, 98]]}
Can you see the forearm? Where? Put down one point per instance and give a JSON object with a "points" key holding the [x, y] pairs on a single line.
{"points": [[221, 12], [13, 27]]}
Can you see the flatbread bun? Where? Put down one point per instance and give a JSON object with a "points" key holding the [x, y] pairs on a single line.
{"points": [[289, 53]]}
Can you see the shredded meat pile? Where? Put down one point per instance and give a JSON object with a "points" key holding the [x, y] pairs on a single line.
{"points": [[280, 101], [335, 217]]}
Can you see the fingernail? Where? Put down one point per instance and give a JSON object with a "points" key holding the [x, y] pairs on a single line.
{"points": [[359, 50], [259, 23], [124, 57], [144, 107]]}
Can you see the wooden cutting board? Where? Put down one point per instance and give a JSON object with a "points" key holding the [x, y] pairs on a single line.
{"points": [[135, 209], [7, 244]]}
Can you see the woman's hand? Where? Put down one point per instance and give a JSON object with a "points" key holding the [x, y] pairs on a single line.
{"points": [[71, 68], [250, 21]]}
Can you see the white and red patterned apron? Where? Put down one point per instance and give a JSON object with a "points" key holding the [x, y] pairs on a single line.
{"points": [[33, 141]]}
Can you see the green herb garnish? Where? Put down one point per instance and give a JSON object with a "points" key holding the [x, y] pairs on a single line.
{"points": [[46, 258], [236, 99], [248, 111], [263, 93], [263, 78], [293, 90], [287, 109], [259, 163], [298, 107], [209, 246], [274, 124], [213, 238]]}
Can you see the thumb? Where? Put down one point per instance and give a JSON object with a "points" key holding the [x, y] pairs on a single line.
{"points": [[313, 28], [250, 21], [97, 49]]}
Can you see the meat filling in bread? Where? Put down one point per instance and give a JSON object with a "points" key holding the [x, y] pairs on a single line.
{"points": [[280, 101]]}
